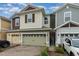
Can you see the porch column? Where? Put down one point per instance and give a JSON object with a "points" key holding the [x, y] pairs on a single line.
{"points": [[58, 39], [21, 40]]}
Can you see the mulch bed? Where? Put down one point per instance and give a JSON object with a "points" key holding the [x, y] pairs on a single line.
{"points": [[54, 53]]}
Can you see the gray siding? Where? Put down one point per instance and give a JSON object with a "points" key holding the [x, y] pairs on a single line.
{"points": [[52, 21], [60, 15]]}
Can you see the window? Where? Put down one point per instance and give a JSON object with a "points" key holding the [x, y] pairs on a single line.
{"points": [[29, 17], [46, 20], [62, 35], [67, 16], [17, 21]]}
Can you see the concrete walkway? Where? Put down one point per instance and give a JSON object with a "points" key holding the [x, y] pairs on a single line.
{"points": [[21, 51]]}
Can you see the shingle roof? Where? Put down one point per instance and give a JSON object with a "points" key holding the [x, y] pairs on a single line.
{"points": [[4, 18]]}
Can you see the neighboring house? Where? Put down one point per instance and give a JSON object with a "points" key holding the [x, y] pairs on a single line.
{"points": [[4, 27], [31, 26], [66, 22]]}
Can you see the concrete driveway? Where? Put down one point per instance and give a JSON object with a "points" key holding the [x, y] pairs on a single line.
{"points": [[22, 51]]}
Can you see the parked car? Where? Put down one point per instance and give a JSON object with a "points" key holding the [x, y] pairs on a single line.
{"points": [[4, 43], [71, 46]]}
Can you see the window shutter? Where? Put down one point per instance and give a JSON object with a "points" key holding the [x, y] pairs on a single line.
{"points": [[25, 18], [33, 17]]}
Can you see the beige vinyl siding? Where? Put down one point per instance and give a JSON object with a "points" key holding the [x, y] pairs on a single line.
{"points": [[2, 36], [5, 24], [36, 24], [0, 23]]}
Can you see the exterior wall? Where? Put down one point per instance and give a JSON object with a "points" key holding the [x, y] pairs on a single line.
{"points": [[0, 24], [12, 39], [5, 25], [37, 24], [65, 30], [2, 36], [60, 15], [47, 25], [52, 21]]}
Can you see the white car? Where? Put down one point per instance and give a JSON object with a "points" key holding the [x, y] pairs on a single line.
{"points": [[71, 46]]}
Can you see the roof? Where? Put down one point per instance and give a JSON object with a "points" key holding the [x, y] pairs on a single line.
{"points": [[30, 6], [75, 5], [4, 18], [31, 29], [25, 10], [66, 23]]}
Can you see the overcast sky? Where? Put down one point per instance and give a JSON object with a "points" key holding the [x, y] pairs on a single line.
{"points": [[8, 9]]}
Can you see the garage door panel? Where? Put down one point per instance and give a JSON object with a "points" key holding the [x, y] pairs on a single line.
{"points": [[34, 40], [16, 39]]}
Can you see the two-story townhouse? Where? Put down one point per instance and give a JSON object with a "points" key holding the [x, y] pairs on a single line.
{"points": [[31, 26], [66, 22], [4, 27]]}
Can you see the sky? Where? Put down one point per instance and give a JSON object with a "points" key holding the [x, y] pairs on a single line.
{"points": [[8, 9]]}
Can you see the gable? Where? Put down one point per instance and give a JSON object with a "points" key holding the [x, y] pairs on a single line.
{"points": [[29, 7], [70, 25], [65, 5]]}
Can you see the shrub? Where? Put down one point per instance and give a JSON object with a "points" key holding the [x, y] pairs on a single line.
{"points": [[44, 52], [59, 50]]}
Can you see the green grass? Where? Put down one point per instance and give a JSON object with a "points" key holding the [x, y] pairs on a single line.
{"points": [[44, 52]]}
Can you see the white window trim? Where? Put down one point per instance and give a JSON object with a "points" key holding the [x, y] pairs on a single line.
{"points": [[46, 21], [27, 18], [15, 22], [70, 15]]}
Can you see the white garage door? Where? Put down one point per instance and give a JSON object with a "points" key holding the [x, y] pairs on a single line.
{"points": [[73, 36], [34, 39], [15, 39]]}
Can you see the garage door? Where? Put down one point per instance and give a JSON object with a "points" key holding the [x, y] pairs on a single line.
{"points": [[16, 39], [73, 36], [34, 39]]}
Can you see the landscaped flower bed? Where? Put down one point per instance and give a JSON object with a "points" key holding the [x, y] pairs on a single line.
{"points": [[56, 51]]}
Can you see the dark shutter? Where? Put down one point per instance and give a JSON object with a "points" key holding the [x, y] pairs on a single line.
{"points": [[25, 18], [33, 17], [13, 23]]}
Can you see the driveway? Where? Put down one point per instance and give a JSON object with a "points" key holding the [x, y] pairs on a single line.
{"points": [[21, 51]]}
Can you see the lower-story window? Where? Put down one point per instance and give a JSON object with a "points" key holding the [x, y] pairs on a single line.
{"points": [[75, 36], [34, 35]]}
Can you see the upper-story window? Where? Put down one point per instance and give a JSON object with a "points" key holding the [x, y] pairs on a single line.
{"points": [[45, 20], [29, 17], [17, 21], [67, 16]]}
